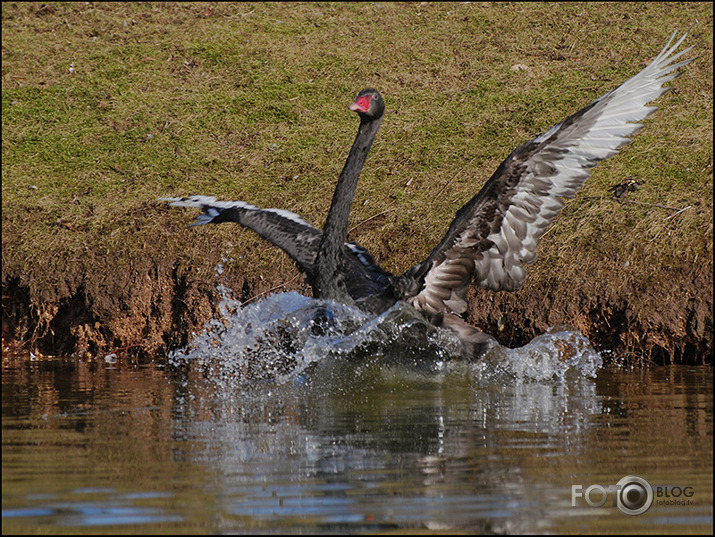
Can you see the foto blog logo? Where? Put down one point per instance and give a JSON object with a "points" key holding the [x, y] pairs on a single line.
{"points": [[633, 495]]}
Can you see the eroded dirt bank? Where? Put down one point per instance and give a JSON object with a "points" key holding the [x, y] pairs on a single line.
{"points": [[145, 307]]}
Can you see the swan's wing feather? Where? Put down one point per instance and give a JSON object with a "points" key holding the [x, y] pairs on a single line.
{"points": [[364, 278], [284, 229], [496, 234], [295, 236]]}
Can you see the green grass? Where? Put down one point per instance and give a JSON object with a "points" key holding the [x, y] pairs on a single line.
{"points": [[106, 107]]}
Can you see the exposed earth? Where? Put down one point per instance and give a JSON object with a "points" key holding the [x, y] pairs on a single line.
{"points": [[143, 307]]}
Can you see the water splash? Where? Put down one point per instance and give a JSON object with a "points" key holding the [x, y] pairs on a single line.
{"points": [[287, 337], [553, 355]]}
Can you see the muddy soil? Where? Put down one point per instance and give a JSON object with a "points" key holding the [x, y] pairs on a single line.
{"points": [[145, 307]]}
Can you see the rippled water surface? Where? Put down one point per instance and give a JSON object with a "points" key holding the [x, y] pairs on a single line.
{"points": [[342, 432]]}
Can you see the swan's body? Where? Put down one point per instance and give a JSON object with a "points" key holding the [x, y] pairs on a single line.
{"points": [[491, 238]]}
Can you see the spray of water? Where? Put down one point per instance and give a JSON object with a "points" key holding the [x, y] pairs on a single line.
{"points": [[286, 337]]}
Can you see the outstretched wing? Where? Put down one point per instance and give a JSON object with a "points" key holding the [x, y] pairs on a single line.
{"points": [[296, 237], [497, 232], [284, 229]]}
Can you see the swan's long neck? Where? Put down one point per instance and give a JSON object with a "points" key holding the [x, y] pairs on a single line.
{"points": [[327, 281]]}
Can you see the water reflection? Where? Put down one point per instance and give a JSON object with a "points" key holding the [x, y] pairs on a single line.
{"points": [[388, 446], [373, 448]]}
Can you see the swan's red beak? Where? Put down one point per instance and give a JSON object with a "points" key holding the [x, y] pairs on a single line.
{"points": [[362, 104]]}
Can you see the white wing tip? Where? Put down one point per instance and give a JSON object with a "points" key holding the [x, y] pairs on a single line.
{"points": [[192, 201]]}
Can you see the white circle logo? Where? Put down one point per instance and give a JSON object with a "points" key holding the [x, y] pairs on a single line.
{"points": [[634, 496]]}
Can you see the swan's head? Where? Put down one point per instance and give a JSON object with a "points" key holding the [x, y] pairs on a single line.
{"points": [[369, 104]]}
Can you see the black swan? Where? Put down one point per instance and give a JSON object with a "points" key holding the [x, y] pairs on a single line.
{"points": [[491, 238]]}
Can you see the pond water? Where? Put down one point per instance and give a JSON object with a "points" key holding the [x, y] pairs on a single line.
{"points": [[330, 443]]}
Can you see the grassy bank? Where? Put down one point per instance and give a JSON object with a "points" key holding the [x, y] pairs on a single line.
{"points": [[108, 106]]}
